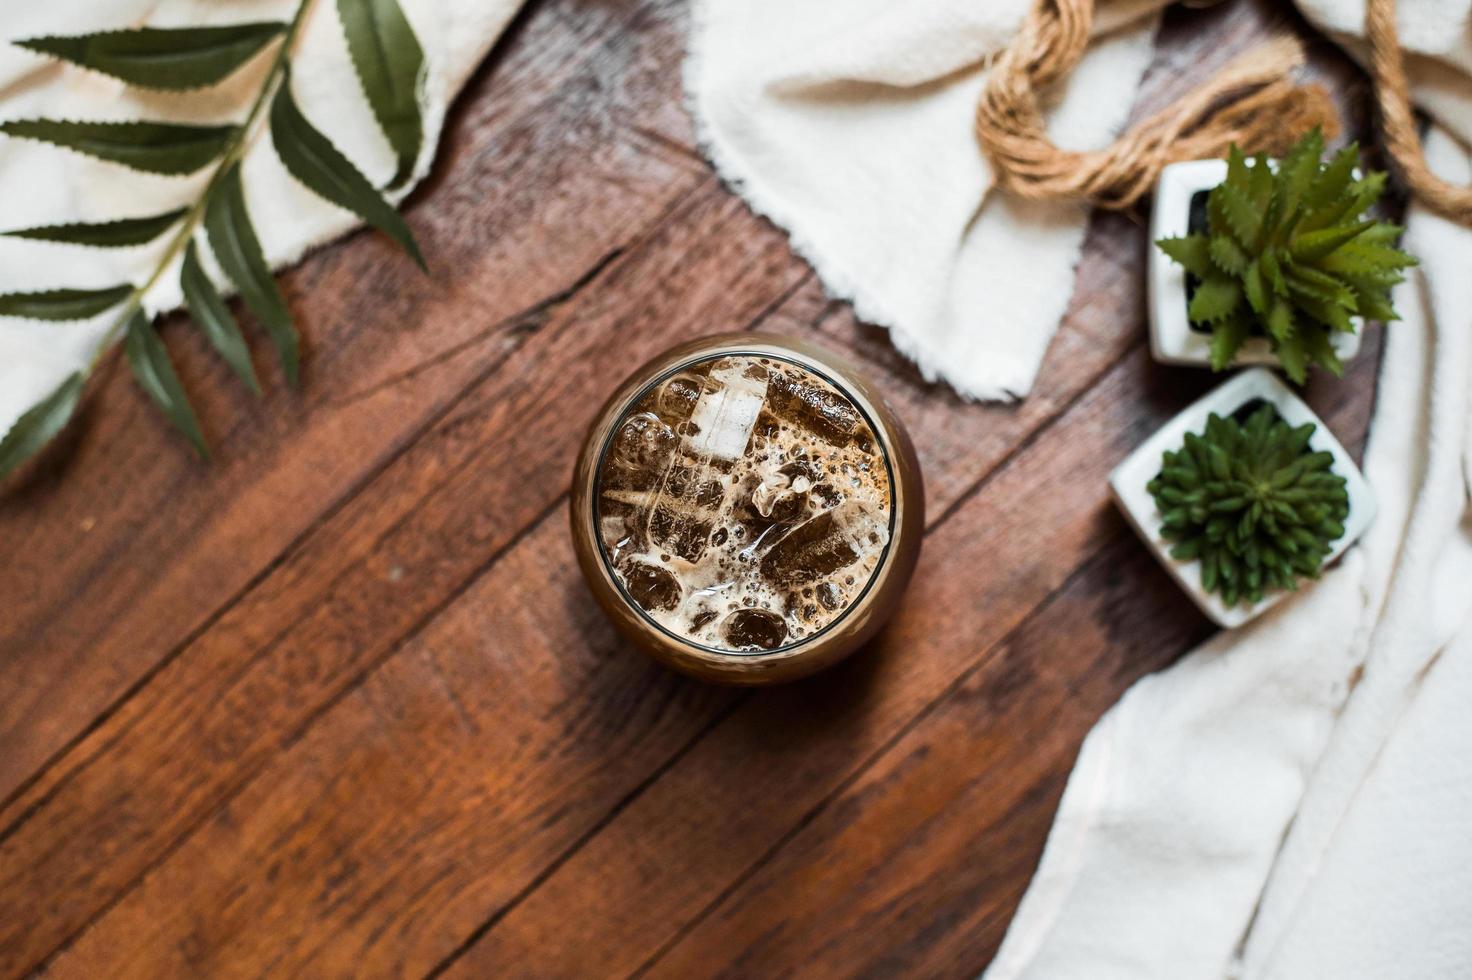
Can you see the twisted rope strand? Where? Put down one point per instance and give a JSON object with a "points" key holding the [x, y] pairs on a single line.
{"points": [[1398, 119], [1250, 102]]}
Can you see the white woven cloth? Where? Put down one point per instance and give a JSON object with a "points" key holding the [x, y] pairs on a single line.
{"points": [[1292, 800], [45, 185], [1298, 791], [849, 123]]}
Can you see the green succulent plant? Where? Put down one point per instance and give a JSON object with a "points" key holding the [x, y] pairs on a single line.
{"points": [[1252, 502], [1289, 254]]}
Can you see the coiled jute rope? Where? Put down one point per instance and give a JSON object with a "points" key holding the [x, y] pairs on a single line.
{"points": [[1251, 102]]}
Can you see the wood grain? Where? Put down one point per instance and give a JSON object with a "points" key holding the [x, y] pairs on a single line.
{"points": [[372, 575], [99, 593], [490, 603], [340, 705]]}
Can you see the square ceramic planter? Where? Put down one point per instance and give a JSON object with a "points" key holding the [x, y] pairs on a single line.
{"points": [[1172, 339], [1130, 478]]}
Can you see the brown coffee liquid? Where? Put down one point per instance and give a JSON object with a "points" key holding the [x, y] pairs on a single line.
{"points": [[743, 503]]}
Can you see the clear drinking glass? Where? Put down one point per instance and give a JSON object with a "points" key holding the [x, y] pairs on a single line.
{"points": [[747, 509]]}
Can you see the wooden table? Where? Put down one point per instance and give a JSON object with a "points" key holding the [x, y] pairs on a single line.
{"points": [[339, 703]]}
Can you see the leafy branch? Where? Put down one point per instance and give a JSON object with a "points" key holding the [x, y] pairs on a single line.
{"points": [[389, 62]]}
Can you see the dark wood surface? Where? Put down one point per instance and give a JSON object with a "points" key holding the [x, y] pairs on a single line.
{"points": [[339, 703]]}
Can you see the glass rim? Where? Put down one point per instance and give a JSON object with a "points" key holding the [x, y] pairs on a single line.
{"points": [[838, 384]]}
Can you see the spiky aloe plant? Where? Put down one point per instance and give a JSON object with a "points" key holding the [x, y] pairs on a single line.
{"points": [[1290, 255], [1252, 502]]}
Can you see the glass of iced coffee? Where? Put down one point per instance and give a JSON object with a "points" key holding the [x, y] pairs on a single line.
{"points": [[747, 509]]}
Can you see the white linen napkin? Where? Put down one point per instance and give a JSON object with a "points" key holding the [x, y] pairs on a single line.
{"points": [[1170, 835], [850, 125], [1292, 799], [43, 184]]}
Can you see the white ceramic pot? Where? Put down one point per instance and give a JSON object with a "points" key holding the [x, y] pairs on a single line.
{"points": [[1130, 478], [1172, 341]]}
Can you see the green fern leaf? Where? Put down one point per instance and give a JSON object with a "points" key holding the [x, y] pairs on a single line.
{"points": [[63, 304], [152, 147], [155, 375], [173, 58], [233, 239], [312, 159], [208, 308], [390, 64], [106, 234], [40, 424]]}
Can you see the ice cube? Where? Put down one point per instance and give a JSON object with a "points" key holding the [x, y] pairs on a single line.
{"points": [[812, 407], [677, 397], [754, 629], [655, 589], [639, 453], [726, 412], [780, 497], [616, 533], [825, 544], [684, 511], [831, 596]]}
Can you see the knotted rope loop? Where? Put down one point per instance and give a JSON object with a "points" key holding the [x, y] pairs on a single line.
{"points": [[1250, 102]]}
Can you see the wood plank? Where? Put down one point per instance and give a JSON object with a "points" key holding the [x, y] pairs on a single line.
{"points": [[990, 432], [671, 854], [944, 462], [427, 796], [634, 899], [370, 575], [517, 752], [915, 867], [467, 823], [300, 582], [122, 547]]}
